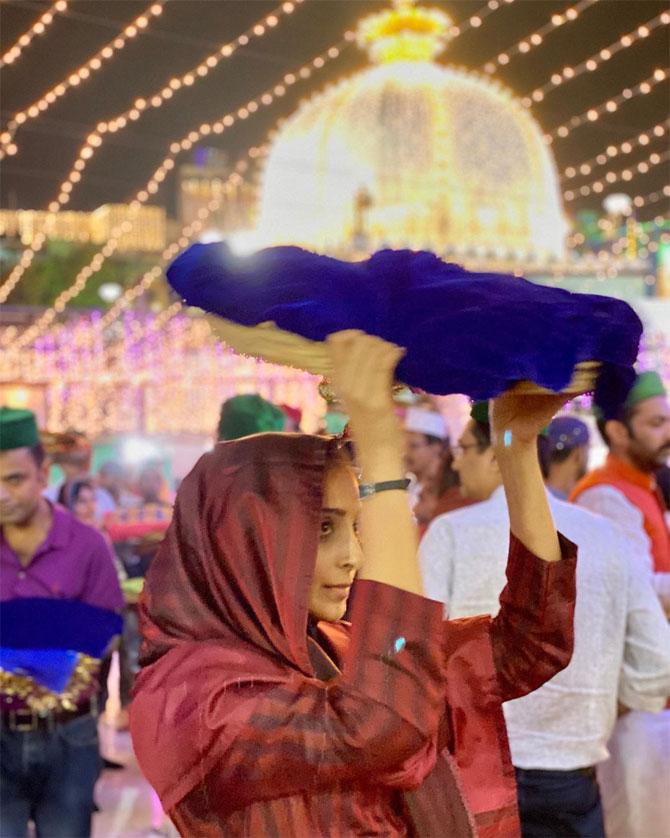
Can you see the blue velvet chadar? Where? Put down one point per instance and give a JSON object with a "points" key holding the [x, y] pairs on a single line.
{"points": [[465, 332]]}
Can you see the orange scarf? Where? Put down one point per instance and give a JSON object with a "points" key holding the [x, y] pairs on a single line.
{"points": [[641, 490]]}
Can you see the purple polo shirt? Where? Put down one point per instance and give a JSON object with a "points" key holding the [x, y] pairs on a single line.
{"points": [[74, 562]]}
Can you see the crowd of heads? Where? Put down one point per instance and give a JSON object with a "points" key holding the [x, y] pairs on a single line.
{"points": [[448, 470]]}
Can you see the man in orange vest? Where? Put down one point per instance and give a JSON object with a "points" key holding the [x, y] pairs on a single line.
{"points": [[633, 781], [624, 488]]}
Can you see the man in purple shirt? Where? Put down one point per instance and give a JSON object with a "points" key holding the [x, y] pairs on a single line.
{"points": [[50, 757]]}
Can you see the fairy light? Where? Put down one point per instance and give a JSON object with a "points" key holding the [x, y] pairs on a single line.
{"points": [[591, 64], [38, 29], [530, 42], [594, 113], [96, 139], [150, 188], [624, 148], [640, 201], [171, 376], [610, 178], [188, 233], [83, 73]]}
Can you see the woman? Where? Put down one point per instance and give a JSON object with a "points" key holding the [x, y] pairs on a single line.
{"points": [[259, 713], [79, 497]]}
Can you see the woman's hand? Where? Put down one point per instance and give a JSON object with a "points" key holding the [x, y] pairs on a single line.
{"points": [[518, 418], [363, 368]]}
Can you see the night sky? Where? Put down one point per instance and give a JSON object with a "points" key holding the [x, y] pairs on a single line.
{"points": [[188, 30]]}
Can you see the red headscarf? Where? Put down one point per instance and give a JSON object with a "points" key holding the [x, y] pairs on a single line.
{"points": [[226, 598]]}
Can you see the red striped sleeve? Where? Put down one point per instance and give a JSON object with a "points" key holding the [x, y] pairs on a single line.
{"points": [[533, 633], [379, 718]]}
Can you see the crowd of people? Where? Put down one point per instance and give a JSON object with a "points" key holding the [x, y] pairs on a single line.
{"points": [[505, 671]]}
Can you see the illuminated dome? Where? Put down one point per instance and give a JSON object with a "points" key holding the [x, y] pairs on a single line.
{"points": [[413, 154]]}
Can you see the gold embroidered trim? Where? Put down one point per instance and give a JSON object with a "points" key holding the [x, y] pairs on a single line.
{"points": [[41, 700]]}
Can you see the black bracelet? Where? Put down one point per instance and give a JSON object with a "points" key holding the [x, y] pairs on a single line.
{"points": [[366, 490]]}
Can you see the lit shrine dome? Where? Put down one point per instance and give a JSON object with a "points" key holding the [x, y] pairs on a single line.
{"points": [[409, 153]]}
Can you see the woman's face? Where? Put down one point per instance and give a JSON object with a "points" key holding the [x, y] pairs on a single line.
{"points": [[339, 555], [84, 506]]}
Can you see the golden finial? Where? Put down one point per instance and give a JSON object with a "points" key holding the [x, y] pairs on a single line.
{"points": [[404, 33]]}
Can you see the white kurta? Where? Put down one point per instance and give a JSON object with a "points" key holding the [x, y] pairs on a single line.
{"points": [[622, 641], [635, 781]]}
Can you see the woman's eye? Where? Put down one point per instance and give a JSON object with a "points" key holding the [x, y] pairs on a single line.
{"points": [[326, 528]]}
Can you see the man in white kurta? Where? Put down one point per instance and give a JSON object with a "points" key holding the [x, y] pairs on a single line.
{"points": [[559, 733], [636, 779]]}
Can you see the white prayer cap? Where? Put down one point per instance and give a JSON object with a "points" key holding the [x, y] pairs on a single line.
{"points": [[423, 421]]}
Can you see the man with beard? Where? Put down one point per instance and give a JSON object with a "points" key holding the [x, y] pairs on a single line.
{"points": [[625, 490], [567, 455], [426, 440]]}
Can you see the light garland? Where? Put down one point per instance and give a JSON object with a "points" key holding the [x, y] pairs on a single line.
{"points": [[95, 140], [597, 59], [640, 201], [610, 106], [37, 29], [151, 187], [186, 237], [170, 376], [188, 233], [610, 178], [153, 184], [626, 147], [135, 29], [530, 42]]}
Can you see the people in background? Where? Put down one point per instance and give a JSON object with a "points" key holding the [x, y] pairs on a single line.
{"points": [[50, 756], [624, 489], [567, 455], [559, 733], [248, 414], [426, 438]]}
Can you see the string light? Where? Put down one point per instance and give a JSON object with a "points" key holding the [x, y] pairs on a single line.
{"points": [[37, 29], [169, 377], [153, 184], [626, 147], [188, 233], [530, 42], [610, 178], [591, 64], [74, 79], [476, 20], [95, 140], [640, 201], [593, 114]]}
